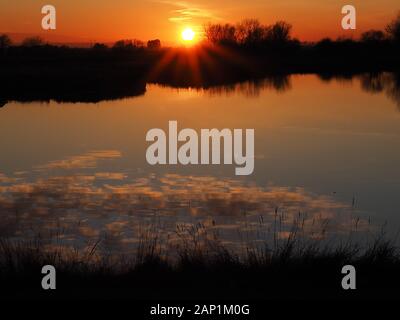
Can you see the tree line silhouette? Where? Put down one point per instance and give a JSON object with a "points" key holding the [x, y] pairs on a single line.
{"points": [[252, 33], [247, 33], [230, 53]]}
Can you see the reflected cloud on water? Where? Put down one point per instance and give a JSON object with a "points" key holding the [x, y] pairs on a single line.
{"points": [[117, 208]]}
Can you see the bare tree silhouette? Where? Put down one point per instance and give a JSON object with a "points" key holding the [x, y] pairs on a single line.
{"points": [[393, 29], [279, 32], [249, 32], [221, 34]]}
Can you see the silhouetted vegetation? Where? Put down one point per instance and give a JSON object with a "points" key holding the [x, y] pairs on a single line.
{"points": [[33, 42], [393, 29], [154, 44], [250, 33], [373, 36], [292, 270], [245, 51], [5, 41], [128, 45]]}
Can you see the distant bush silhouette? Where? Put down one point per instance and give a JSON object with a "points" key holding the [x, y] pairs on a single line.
{"points": [[154, 44], [372, 36], [324, 44], [138, 43], [5, 41], [33, 42], [393, 29], [122, 44], [128, 45], [99, 46]]}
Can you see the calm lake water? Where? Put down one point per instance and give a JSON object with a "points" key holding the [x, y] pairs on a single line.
{"points": [[327, 155]]}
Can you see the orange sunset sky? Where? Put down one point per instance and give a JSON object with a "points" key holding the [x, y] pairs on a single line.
{"points": [[105, 20]]}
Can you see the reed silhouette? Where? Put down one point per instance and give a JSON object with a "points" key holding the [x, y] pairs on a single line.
{"points": [[291, 270]]}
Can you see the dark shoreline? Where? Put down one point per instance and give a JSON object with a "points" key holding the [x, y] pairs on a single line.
{"points": [[91, 75]]}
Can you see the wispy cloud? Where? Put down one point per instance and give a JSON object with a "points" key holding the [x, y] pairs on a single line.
{"points": [[187, 11], [179, 19], [87, 160]]}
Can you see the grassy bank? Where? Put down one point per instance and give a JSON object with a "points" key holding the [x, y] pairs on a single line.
{"points": [[290, 271]]}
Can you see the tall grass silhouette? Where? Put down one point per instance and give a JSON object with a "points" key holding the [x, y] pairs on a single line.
{"points": [[199, 266]]}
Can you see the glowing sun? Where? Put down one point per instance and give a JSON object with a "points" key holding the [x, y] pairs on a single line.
{"points": [[188, 34]]}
